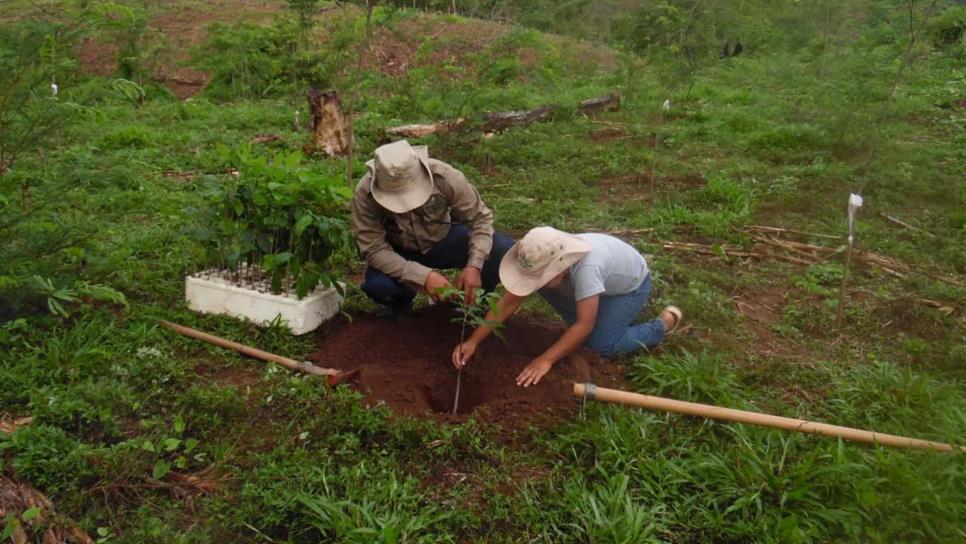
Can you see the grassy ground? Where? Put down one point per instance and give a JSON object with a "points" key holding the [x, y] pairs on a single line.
{"points": [[774, 138]]}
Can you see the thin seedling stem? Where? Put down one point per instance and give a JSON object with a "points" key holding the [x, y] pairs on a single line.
{"points": [[459, 373]]}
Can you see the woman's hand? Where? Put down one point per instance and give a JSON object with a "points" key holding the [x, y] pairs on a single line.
{"points": [[534, 371], [463, 353]]}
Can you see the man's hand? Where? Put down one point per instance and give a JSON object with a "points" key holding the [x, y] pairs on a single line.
{"points": [[434, 282], [534, 371], [463, 353], [469, 281]]}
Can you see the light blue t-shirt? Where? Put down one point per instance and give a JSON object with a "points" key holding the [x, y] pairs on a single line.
{"points": [[612, 268]]}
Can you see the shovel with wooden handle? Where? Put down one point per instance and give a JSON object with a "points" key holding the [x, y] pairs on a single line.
{"points": [[332, 376]]}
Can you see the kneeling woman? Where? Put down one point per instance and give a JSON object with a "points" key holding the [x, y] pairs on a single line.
{"points": [[597, 283]]}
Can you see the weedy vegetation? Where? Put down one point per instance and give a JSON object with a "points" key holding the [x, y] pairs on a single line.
{"points": [[113, 189]]}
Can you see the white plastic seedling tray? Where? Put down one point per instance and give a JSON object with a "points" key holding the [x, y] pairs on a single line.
{"points": [[214, 292]]}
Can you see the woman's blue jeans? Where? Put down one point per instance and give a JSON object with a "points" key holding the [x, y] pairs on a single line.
{"points": [[615, 331]]}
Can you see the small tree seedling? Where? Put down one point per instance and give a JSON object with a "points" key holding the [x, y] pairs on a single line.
{"points": [[470, 314]]}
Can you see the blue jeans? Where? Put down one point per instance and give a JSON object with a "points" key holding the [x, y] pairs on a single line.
{"points": [[614, 331], [451, 252]]}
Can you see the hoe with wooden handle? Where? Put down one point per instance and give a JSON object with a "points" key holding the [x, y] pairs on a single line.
{"points": [[592, 392], [332, 376]]}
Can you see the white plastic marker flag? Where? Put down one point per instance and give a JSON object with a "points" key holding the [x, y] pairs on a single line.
{"points": [[667, 105], [53, 90], [855, 202]]}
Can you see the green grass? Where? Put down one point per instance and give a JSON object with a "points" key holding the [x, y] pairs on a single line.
{"points": [[772, 137]]}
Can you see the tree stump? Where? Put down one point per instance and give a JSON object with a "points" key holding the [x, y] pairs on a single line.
{"points": [[327, 123]]}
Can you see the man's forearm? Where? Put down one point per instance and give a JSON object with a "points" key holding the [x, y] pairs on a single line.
{"points": [[396, 266]]}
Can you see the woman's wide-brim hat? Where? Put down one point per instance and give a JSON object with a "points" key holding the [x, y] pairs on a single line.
{"points": [[538, 257], [401, 179]]}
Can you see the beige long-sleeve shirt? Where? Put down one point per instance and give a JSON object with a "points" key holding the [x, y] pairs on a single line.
{"points": [[377, 230]]}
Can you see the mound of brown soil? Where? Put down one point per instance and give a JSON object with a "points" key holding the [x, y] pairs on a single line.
{"points": [[405, 364]]}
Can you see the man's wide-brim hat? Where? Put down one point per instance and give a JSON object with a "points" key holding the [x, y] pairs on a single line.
{"points": [[538, 257], [401, 179]]}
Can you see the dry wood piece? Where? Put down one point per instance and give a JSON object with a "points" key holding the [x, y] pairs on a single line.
{"points": [[9, 426], [620, 232], [901, 223], [611, 102], [328, 124], [265, 138], [493, 122], [801, 253], [419, 131], [19, 497], [782, 230]]}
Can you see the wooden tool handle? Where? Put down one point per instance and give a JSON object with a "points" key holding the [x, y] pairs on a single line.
{"points": [[755, 418], [306, 367]]}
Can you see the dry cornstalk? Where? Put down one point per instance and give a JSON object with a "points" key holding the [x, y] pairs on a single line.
{"points": [[782, 230], [902, 223], [620, 232], [9, 426]]}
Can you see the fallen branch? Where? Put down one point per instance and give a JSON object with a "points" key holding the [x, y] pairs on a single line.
{"points": [[495, 122], [620, 232], [782, 230], [901, 223], [611, 102]]}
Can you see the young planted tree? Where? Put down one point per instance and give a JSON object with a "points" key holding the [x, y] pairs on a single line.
{"points": [[471, 314]]}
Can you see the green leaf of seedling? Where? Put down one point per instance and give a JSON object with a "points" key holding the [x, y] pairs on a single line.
{"points": [[161, 469], [190, 444], [103, 531], [10, 524], [302, 224], [178, 424], [171, 444], [30, 513], [181, 462]]}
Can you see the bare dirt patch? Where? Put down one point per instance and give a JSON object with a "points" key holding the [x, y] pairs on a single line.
{"points": [[621, 189], [405, 364], [761, 308]]}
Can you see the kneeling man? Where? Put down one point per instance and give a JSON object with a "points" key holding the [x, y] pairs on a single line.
{"points": [[412, 216]]}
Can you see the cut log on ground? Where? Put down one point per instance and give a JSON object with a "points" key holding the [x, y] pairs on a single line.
{"points": [[419, 131], [329, 134], [611, 102], [496, 122]]}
